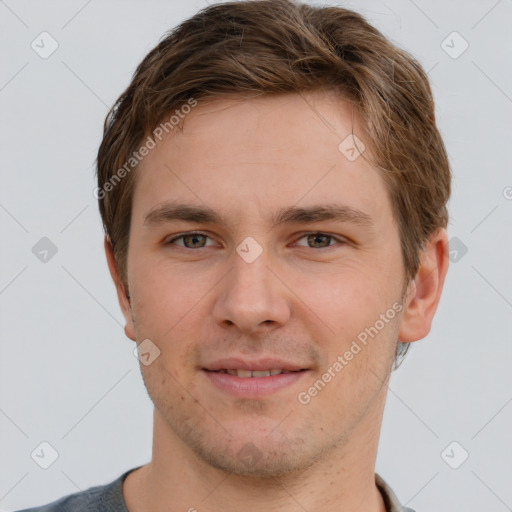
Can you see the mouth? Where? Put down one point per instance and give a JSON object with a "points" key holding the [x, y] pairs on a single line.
{"points": [[252, 380], [254, 373]]}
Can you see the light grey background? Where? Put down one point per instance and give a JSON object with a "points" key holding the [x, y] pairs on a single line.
{"points": [[68, 375]]}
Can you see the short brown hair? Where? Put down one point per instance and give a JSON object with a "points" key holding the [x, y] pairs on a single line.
{"points": [[267, 47]]}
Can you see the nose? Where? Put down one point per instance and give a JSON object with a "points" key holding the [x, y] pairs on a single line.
{"points": [[252, 297]]}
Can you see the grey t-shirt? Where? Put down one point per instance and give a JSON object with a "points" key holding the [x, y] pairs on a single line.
{"points": [[109, 498]]}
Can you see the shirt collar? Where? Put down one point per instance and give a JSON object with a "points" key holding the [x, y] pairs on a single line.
{"points": [[390, 499]]}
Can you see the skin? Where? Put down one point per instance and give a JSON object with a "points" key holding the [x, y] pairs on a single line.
{"points": [[298, 300]]}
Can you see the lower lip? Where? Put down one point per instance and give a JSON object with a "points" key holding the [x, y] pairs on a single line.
{"points": [[253, 387]]}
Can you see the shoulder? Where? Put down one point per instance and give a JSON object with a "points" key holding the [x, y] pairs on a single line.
{"points": [[101, 498]]}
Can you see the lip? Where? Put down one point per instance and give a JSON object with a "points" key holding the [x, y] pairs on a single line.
{"points": [[253, 387], [234, 363]]}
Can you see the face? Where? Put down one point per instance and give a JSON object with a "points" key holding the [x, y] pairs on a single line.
{"points": [[267, 278]]}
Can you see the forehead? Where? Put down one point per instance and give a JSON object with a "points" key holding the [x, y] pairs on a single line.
{"points": [[266, 152]]}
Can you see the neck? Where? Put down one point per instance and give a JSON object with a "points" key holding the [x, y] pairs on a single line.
{"points": [[177, 479]]}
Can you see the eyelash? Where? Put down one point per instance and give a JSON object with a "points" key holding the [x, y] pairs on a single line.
{"points": [[304, 235]]}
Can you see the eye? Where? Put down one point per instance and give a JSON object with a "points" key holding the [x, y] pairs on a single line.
{"points": [[191, 240], [320, 240], [199, 240]]}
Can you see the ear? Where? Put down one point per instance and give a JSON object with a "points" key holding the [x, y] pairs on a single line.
{"points": [[122, 295], [424, 292]]}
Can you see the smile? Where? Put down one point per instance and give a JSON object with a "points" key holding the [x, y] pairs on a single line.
{"points": [[252, 384], [255, 373]]}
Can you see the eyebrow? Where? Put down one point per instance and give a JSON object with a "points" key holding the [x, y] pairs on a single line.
{"points": [[169, 212]]}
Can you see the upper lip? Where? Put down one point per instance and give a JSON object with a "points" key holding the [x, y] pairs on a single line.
{"points": [[234, 363]]}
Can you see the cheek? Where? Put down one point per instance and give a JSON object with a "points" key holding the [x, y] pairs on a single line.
{"points": [[156, 303], [350, 302], [169, 309], [163, 292], [345, 296]]}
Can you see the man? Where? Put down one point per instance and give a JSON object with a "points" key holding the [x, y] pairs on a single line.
{"points": [[273, 188]]}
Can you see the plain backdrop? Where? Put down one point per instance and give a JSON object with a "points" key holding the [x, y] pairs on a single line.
{"points": [[68, 374]]}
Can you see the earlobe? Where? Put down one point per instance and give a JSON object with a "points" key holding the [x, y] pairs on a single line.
{"points": [[424, 292], [123, 296]]}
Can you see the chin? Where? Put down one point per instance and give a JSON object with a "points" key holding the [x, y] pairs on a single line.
{"points": [[262, 458], [252, 462]]}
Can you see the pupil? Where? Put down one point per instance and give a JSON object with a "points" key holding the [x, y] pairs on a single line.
{"points": [[194, 239], [316, 237]]}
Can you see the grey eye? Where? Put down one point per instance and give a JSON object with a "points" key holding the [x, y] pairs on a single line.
{"points": [[191, 241], [319, 240]]}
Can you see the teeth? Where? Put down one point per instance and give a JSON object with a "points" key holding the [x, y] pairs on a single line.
{"points": [[244, 373], [262, 373], [255, 373]]}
